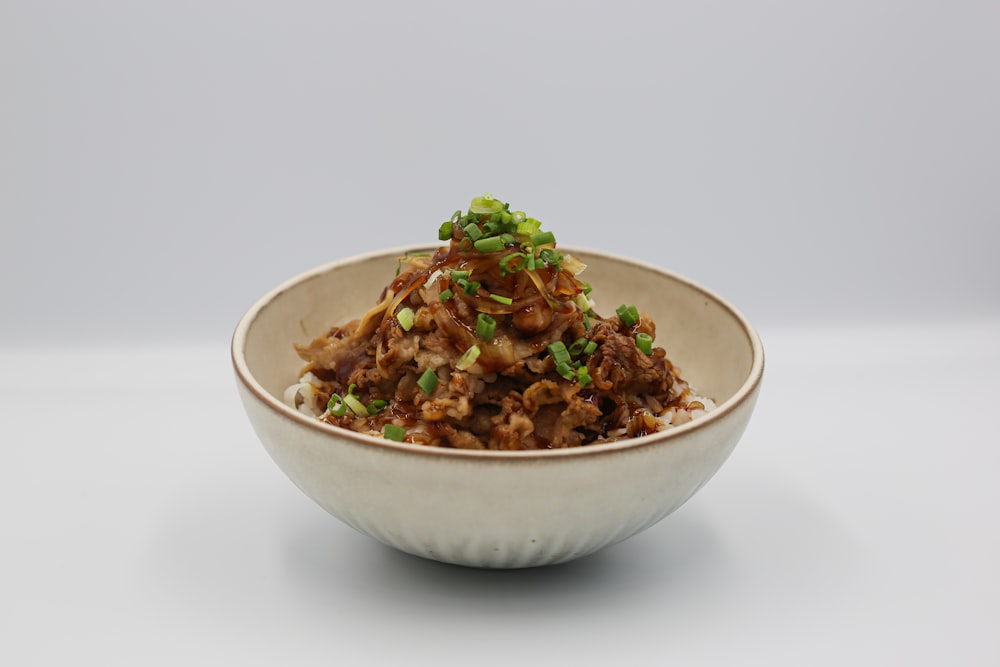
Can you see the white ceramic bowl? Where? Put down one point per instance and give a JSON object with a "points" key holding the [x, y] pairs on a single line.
{"points": [[489, 508]]}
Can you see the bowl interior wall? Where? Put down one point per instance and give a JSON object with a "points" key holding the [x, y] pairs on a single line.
{"points": [[701, 335]]}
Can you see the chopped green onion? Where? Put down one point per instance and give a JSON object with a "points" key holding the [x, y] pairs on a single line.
{"points": [[428, 381], [445, 230], [405, 317], [485, 205], [471, 287], [466, 360], [485, 327], [644, 342], [587, 289], [505, 263], [583, 303], [459, 275], [528, 226], [473, 231], [336, 406], [355, 404], [505, 300], [377, 406], [445, 295], [551, 257], [590, 347], [543, 238], [577, 346], [586, 321], [517, 217], [489, 244], [504, 223], [583, 375], [559, 352], [393, 432], [629, 315], [565, 370]]}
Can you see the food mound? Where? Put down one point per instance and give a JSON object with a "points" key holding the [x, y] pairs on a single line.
{"points": [[493, 342]]}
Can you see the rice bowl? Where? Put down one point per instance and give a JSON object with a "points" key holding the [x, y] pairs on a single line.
{"points": [[490, 508]]}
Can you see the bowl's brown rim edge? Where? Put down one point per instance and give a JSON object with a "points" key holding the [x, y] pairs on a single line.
{"points": [[746, 391]]}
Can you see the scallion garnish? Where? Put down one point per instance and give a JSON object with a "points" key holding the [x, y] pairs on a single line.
{"points": [[405, 317], [543, 238], [428, 381], [629, 315], [565, 370], [445, 230], [590, 347], [577, 346], [517, 217], [468, 358], [527, 226], [377, 406], [644, 342], [471, 287], [583, 376], [559, 352], [355, 404], [505, 300], [521, 263], [393, 432], [486, 326], [485, 205], [459, 275], [445, 295], [473, 231], [551, 257], [336, 406], [489, 244]]}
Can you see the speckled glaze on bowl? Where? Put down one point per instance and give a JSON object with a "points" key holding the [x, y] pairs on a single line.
{"points": [[499, 509]]}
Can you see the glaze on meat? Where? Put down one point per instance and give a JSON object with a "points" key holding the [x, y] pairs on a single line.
{"points": [[516, 394]]}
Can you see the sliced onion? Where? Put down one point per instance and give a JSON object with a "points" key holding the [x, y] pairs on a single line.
{"points": [[572, 264]]}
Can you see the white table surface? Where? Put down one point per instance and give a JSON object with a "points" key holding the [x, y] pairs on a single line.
{"points": [[855, 524]]}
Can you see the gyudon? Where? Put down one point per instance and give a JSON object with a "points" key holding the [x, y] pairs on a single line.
{"points": [[493, 342]]}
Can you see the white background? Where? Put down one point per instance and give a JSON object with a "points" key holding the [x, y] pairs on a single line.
{"points": [[830, 168]]}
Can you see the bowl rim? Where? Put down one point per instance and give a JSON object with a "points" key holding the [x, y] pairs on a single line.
{"points": [[245, 375]]}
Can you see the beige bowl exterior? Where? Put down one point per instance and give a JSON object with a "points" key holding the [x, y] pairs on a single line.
{"points": [[499, 509]]}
